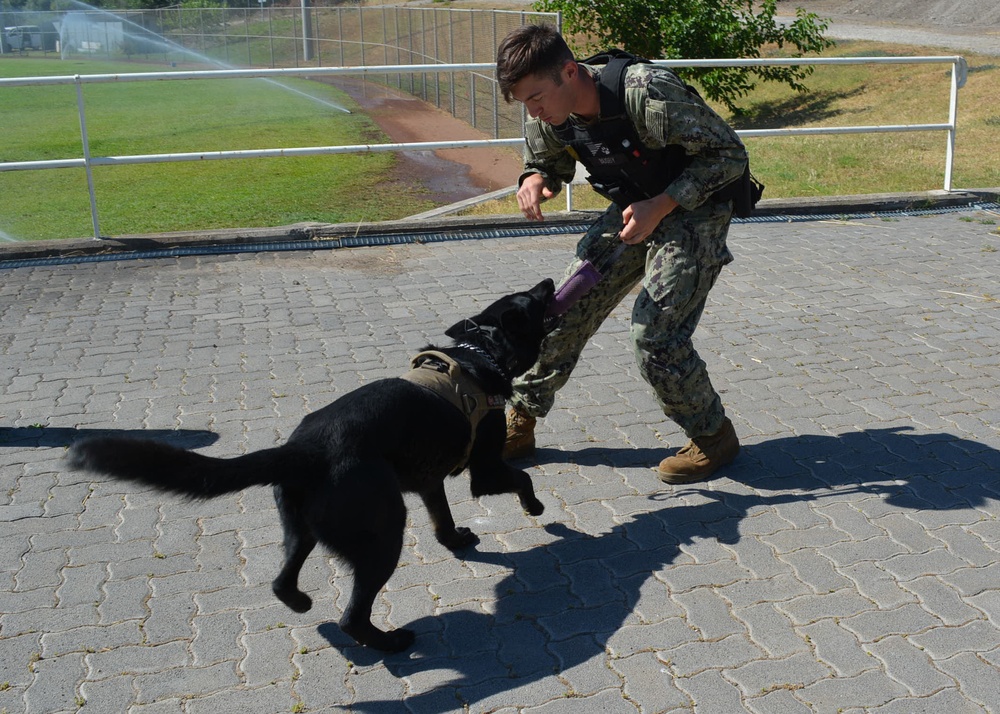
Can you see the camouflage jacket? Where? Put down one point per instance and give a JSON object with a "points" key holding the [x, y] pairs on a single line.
{"points": [[663, 113]]}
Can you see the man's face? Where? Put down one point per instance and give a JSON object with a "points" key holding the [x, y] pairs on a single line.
{"points": [[546, 99]]}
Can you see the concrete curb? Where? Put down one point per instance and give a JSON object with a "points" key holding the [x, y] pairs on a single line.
{"points": [[299, 232]]}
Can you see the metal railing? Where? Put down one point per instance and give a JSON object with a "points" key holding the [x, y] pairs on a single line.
{"points": [[959, 71]]}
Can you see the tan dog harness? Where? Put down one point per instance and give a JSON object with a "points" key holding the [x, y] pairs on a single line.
{"points": [[442, 375]]}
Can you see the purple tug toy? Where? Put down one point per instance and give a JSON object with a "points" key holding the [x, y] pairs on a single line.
{"points": [[585, 277], [578, 285]]}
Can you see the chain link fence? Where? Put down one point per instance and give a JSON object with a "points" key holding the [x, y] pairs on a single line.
{"points": [[346, 35]]}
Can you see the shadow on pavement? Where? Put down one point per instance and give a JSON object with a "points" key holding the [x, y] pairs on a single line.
{"points": [[564, 602], [22, 436]]}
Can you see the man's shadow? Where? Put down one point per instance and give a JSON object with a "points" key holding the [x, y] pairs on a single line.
{"points": [[55, 436], [564, 601]]}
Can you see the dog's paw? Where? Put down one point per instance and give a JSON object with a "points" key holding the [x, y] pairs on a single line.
{"points": [[294, 598], [398, 640], [532, 506], [370, 636], [459, 538]]}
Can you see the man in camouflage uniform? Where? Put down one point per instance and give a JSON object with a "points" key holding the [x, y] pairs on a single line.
{"points": [[676, 240]]}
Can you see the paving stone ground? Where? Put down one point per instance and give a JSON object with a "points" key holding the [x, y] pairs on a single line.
{"points": [[847, 562]]}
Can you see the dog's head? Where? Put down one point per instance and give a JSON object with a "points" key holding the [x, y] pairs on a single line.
{"points": [[511, 330]]}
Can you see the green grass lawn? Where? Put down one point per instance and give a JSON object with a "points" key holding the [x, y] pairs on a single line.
{"points": [[877, 95], [40, 123]]}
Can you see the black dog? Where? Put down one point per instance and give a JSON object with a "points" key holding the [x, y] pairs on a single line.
{"points": [[339, 479]]}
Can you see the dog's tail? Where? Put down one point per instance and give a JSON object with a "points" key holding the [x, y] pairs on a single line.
{"points": [[172, 469]]}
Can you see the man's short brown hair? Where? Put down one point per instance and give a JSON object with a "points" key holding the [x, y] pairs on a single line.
{"points": [[530, 50]]}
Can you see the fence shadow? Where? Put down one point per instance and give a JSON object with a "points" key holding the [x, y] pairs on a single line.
{"points": [[564, 601], [54, 436]]}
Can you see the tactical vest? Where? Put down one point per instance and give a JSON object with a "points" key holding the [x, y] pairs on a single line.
{"points": [[442, 375], [621, 168]]}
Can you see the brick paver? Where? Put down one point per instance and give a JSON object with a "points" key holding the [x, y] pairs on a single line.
{"points": [[848, 561]]}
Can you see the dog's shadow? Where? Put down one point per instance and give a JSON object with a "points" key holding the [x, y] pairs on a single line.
{"points": [[56, 436], [563, 602]]}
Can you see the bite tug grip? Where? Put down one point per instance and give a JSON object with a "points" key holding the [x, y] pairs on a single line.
{"points": [[585, 277]]}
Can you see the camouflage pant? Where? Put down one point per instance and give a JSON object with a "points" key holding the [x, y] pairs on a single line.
{"points": [[677, 265]]}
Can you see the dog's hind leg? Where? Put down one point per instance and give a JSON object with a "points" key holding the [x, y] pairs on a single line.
{"points": [[369, 579], [369, 536], [299, 543], [371, 572], [448, 535]]}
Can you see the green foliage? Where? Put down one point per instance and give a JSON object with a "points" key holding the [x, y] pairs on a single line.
{"points": [[697, 29], [199, 3], [147, 4], [26, 5]]}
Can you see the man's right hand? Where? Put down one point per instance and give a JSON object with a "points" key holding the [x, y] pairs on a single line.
{"points": [[530, 196]]}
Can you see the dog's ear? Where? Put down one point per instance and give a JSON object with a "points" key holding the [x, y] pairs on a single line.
{"points": [[481, 324], [461, 328]]}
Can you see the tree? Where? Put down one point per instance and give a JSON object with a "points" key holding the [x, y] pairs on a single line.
{"points": [[697, 29]]}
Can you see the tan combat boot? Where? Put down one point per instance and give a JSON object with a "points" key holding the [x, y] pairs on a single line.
{"points": [[520, 434], [701, 457]]}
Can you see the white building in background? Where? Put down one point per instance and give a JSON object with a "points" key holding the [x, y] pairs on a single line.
{"points": [[82, 32]]}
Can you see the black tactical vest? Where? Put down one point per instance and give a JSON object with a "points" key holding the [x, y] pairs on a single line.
{"points": [[621, 167]]}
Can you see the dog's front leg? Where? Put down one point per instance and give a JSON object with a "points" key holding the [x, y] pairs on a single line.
{"points": [[498, 477], [448, 534], [490, 474]]}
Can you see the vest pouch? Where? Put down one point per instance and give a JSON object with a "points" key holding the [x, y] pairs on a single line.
{"points": [[744, 192], [616, 191]]}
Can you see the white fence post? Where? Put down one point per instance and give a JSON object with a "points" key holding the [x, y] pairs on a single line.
{"points": [[88, 168]]}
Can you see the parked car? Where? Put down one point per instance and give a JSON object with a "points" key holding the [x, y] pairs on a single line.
{"points": [[22, 37]]}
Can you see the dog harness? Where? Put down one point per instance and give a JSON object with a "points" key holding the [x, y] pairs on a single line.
{"points": [[439, 373]]}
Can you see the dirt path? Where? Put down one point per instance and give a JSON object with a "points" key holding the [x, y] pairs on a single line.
{"points": [[450, 175]]}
